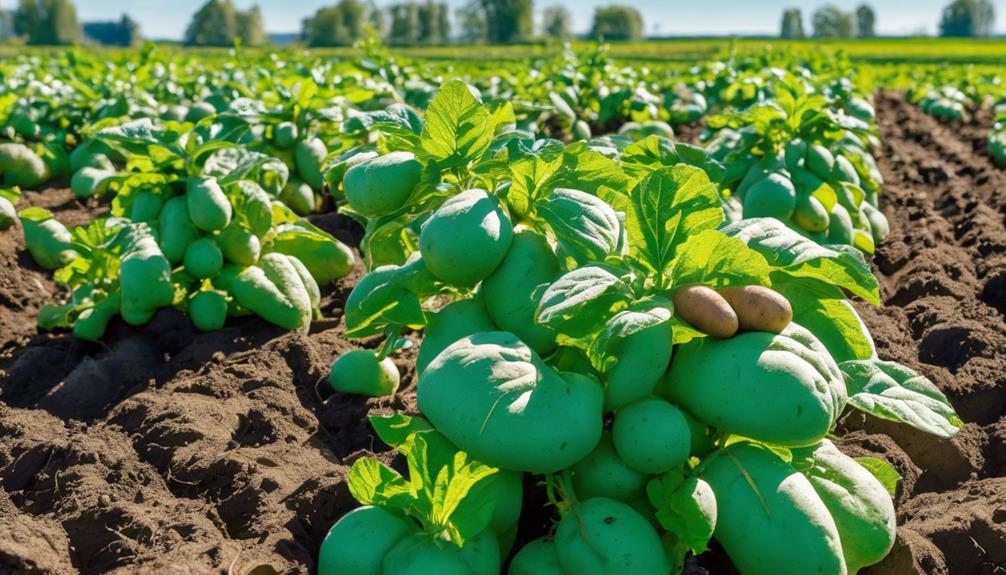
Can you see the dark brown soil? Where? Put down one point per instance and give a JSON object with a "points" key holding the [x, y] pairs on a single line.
{"points": [[168, 450], [943, 281]]}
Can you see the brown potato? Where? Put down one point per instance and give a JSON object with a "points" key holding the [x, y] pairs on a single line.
{"points": [[759, 308], [706, 310]]}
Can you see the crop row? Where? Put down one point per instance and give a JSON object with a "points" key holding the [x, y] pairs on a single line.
{"points": [[655, 334]]}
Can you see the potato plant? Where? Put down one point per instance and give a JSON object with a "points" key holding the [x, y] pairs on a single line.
{"points": [[666, 373]]}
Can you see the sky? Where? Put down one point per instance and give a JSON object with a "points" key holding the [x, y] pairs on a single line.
{"points": [[167, 19]]}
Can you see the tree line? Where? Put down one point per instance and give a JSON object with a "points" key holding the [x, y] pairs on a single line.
{"points": [[407, 22], [960, 18]]}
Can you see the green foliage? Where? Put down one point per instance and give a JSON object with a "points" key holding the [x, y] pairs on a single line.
{"points": [[47, 22], [968, 18], [617, 22]]}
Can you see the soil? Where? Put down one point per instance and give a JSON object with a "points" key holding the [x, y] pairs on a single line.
{"points": [[167, 450]]}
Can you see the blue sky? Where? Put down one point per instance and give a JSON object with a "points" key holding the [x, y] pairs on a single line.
{"points": [[168, 18]]}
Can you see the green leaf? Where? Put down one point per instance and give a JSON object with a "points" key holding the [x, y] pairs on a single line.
{"points": [[395, 429], [669, 206], [823, 309], [891, 391], [528, 177], [585, 226], [372, 483], [718, 260], [382, 298], [457, 128], [841, 266], [638, 316], [581, 300], [885, 473], [685, 506]]}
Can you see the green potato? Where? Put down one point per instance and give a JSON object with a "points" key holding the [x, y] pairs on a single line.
{"points": [[91, 154], [298, 196], [456, 320], [145, 207], [381, 185], [820, 161], [144, 279], [360, 540], [240, 246], [601, 536], [861, 109], [309, 156], [421, 554], [781, 388], [466, 238], [858, 502], [360, 372], [48, 241], [769, 519], [604, 474], [581, 130], [512, 292], [656, 128], [209, 207], [325, 257], [810, 214], [285, 134], [794, 155], [536, 558], [772, 197], [703, 436], [21, 166], [844, 171], [640, 363], [840, 228], [879, 226], [203, 259], [208, 310], [92, 323], [86, 181], [495, 398], [8, 214], [176, 229], [279, 290], [651, 436]]}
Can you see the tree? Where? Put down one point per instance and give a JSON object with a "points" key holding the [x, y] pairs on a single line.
{"points": [[830, 22], [556, 22], [866, 20], [429, 22], [508, 20], [405, 24], [792, 24], [339, 25], [215, 24], [968, 18], [251, 28], [472, 23], [124, 32], [617, 22], [47, 22]]}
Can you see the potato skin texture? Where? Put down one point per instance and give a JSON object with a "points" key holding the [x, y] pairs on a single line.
{"points": [[780, 388], [381, 185], [208, 310], [810, 214], [358, 542], [604, 474], [493, 397], [641, 363], [203, 259], [759, 308], [466, 238], [771, 197], [706, 310], [456, 320], [512, 292], [783, 528], [536, 558], [651, 436], [860, 505], [359, 371], [209, 208], [420, 554], [601, 536]]}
